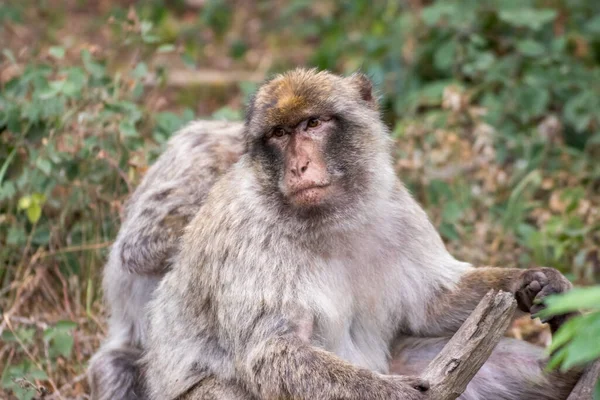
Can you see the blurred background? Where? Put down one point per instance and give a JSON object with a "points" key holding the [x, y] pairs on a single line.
{"points": [[494, 105]]}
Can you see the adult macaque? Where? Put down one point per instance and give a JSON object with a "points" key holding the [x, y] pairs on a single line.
{"points": [[309, 264]]}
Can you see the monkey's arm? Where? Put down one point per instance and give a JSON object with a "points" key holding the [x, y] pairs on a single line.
{"points": [[448, 309], [147, 243], [286, 366], [171, 193]]}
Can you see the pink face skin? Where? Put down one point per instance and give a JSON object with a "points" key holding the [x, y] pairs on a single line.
{"points": [[306, 181]]}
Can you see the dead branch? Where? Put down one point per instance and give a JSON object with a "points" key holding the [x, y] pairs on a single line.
{"points": [[206, 77], [584, 389], [458, 362]]}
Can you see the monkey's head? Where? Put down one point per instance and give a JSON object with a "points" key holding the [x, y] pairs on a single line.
{"points": [[316, 140]]}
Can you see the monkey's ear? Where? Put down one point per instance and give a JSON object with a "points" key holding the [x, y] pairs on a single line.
{"points": [[364, 86]]}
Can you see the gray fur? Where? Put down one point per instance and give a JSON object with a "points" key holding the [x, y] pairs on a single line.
{"points": [[514, 371], [172, 191], [278, 305], [263, 304]]}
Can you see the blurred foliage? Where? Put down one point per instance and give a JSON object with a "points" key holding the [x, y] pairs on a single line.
{"points": [[576, 342], [495, 106]]}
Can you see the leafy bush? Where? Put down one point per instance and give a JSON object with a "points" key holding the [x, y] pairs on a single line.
{"points": [[75, 138]]}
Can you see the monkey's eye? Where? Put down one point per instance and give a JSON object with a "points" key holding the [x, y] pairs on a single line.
{"points": [[279, 132], [313, 123]]}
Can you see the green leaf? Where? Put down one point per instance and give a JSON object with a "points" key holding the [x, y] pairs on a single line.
{"points": [[96, 69], [62, 344], [593, 25], [432, 14], [38, 198], [24, 203], [531, 101], [165, 48], [16, 235], [597, 391], [530, 48], [580, 109], [444, 56], [7, 190], [452, 211], [530, 18], [576, 299], [227, 113], [127, 128], [34, 212], [65, 325], [44, 165], [140, 70], [57, 52], [556, 359], [38, 374], [566, 332]]}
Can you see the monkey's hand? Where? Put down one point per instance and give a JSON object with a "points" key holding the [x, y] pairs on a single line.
{"points": [[533, 285]]}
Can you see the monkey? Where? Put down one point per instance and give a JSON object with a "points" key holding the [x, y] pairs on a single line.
{"points": [[169, 195], [310, 272]]}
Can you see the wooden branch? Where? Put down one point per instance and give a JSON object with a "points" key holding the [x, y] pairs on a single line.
{"points": [[206, 77], [584, 390], [451, 371]]}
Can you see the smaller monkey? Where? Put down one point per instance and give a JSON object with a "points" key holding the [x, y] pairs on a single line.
{"points": [[310, 270], [170, 194]]}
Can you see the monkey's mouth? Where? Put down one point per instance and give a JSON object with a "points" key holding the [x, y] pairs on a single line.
{"points": [[310, 195]]}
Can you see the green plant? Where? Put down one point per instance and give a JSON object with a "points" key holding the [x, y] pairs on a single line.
{"points": [[74, 139], [576, 342]]}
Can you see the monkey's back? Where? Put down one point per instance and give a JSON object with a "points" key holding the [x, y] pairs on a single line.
{"points": [[154, 217]]}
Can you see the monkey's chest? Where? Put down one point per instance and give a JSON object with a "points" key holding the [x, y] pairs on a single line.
{"points": [[351, 322]]}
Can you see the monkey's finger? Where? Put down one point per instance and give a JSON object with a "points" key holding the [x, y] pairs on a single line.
{"points": [[548, 290], [535, 309], [533, 289], [541, 277], [523, 300]]}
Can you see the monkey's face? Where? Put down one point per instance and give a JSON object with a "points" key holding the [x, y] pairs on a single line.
{"points": [[303, 177], [312, 137]]}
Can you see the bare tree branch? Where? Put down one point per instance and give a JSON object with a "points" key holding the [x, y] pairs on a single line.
{"points": [[584, 390], [454, 367]]}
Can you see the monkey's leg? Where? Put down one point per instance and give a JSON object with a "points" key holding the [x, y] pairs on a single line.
{"points": [[213, 389], [514, 371]]}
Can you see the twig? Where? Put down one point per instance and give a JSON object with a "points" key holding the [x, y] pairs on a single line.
{"points": [[74, 249], [187, 78], [451, 371], [31, 357], [30, 284], [584, 390], [68, 385]]}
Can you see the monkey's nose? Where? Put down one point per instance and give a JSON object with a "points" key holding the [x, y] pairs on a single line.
{"points": [[300, 168]]}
